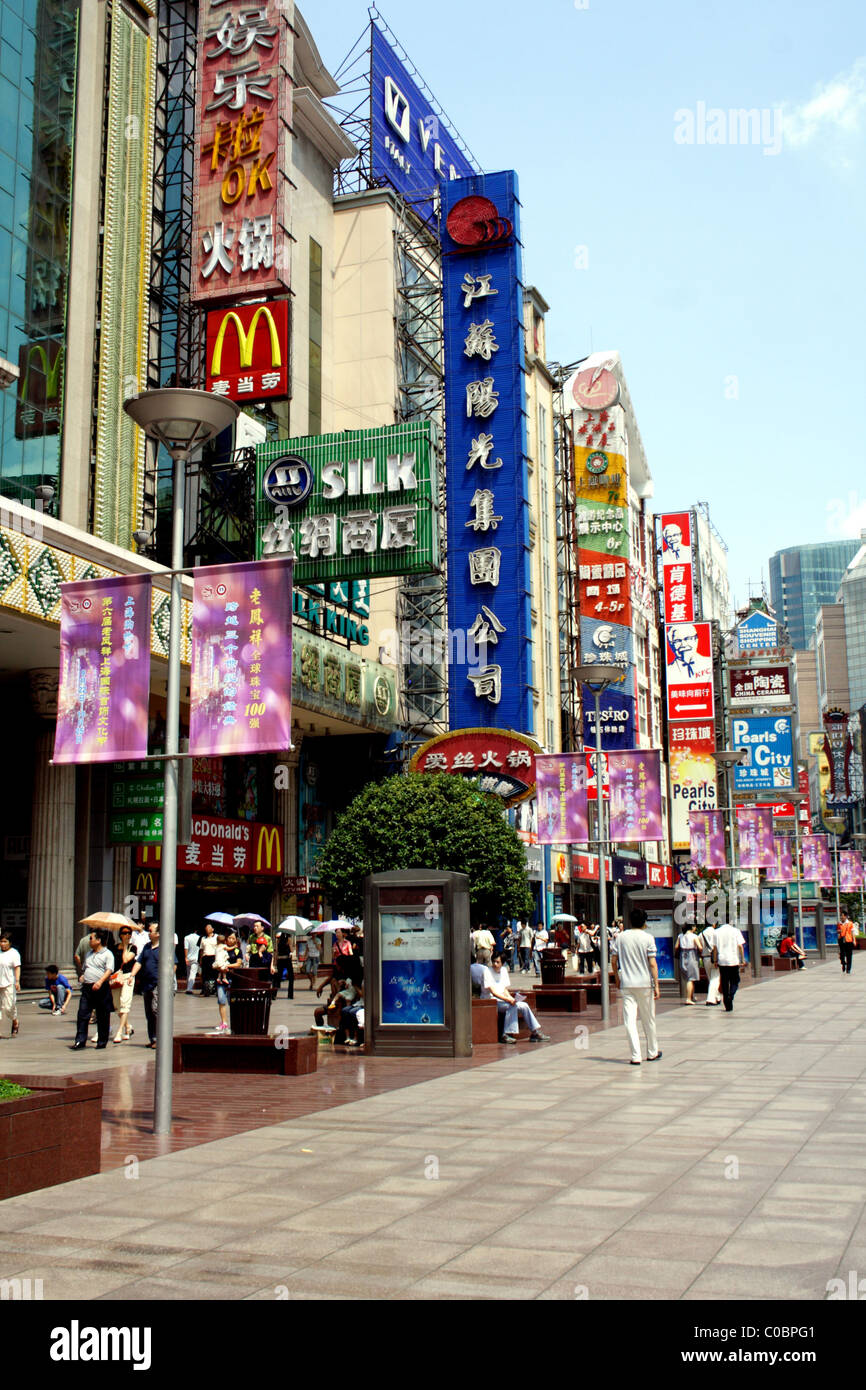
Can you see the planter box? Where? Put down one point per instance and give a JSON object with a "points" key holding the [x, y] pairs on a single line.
{"points": [[50, 1136]]}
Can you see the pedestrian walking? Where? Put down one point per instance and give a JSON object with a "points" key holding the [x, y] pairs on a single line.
{"points": [[584, 949], [688, 952], [147, 966], [191, 952], [539, 944], [729, 956], [636, 973], [484, 944], [228, 957], [95, 992], [10, 983], [707, 937], [524, 943], [123, 984], [207, 954], [846, 943]]}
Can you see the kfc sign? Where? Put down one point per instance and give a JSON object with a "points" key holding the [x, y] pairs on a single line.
{"points": [[248, 352]]}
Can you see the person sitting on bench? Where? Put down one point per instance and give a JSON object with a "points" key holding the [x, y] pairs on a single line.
{"points": [[789, 950], [511, 1012]]}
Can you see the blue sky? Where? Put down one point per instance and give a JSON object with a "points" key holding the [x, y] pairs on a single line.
{"points": [[732, 282]]}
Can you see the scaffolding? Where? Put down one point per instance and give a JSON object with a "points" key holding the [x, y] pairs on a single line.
{"points": [[566, 568], [421, 610]]}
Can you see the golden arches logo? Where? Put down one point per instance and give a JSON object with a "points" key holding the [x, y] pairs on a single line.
{"points": [[269, 836], [144, 883], [36, 353], [246, 339]]}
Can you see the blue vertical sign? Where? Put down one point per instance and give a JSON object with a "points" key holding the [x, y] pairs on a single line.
{"points": [[485, 414]]}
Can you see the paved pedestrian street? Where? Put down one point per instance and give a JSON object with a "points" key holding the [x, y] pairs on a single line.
{"points": [[731, 1169]]}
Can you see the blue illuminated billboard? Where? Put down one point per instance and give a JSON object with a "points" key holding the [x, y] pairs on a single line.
{"points": [[411, 148], [770, 746], [485, 425]]}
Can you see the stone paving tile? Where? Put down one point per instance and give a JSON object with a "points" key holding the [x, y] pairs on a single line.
{"points": [[636, 1272], [808, 1282]]}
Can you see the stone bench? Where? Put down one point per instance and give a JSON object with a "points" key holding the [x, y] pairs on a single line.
{"points": [[278, 1055], [485, 1019], [565, 998], [783, 963]]}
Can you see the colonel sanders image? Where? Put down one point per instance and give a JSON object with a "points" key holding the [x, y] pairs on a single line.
{"points": [[674, 551], [688, 664]]}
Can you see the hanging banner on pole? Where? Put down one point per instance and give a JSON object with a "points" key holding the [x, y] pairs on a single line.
{"points": [[104, 670], [755, 832], [847, 871], [560, 788], [707, 837], [782, 870], [241, 687], [635, 794], [816, 860]]}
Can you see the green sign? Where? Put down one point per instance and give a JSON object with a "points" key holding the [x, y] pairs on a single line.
{"points": [[138, 794], [328, 679], [357, 504], [136, 829]]}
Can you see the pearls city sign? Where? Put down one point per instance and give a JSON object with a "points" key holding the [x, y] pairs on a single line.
{"points": [[352, 505]]}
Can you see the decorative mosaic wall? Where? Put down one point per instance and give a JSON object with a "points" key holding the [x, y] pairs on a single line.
{"points": [[32, 571]]}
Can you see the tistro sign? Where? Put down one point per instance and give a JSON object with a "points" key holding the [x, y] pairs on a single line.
{"points": [[248, 352]]}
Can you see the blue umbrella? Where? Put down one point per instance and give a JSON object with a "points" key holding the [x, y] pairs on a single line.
{"points": [[223, 919]]}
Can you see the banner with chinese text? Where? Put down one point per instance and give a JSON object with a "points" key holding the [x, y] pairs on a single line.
{"points": [[560, 782], [816, 860], [707, 835], [104, 685], [848, 871], [635, 794], [782, 868], [241, 685], [755, 832]]}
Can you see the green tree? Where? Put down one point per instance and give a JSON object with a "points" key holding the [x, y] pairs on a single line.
{"points": [[430, 821]]}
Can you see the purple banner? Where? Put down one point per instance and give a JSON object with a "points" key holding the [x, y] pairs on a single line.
{"points": [[560, 789], [635, 794], [104, 686], [816, 860], [848, 871], [707, 839], [782, 870], [241, 690], [755, 832]]}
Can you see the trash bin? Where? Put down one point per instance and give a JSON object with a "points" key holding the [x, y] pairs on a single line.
{"points": [[249, 1008], [552, 966]]}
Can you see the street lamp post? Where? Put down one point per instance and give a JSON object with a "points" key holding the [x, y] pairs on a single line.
{"points": [[182, 421], [598, 677], [729, 757], [797, 800], [861, 838]]}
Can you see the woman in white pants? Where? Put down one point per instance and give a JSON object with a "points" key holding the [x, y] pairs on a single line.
{"points": [[708, 940]]}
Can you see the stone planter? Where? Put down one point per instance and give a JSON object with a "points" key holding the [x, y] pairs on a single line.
{"points": [[50, 1136]]}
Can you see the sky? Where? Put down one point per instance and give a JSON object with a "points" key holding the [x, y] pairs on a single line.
{"points": [[729, 274]]}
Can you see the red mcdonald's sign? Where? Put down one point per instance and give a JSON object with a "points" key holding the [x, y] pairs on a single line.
{"points": [[247, 351]]}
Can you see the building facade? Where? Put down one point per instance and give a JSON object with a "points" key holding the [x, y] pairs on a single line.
{"points": [[802, 577]]}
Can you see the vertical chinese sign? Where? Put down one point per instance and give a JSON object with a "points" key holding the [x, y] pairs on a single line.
{"points": [[755, 834], [485, 408], [560, 789], [240, 217], [707, 831], [104, 670], [241, 690], [635, 795], [782, 870]]}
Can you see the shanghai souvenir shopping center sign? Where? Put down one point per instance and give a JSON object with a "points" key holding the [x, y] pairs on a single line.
{"points": [[351, 505]]}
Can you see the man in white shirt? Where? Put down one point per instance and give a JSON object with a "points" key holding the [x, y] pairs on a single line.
{"points": [[191, 947], [539, 944], [636, 973], [729, 956], [10, 982], [495, 984], [708, 937], [484, 943]]}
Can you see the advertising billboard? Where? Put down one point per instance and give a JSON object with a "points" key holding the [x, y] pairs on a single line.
{"points": [[358, 504], [689, 658], [677, 569], [757, 631], [604, 587], [247, 352], [755, 837], [562, 803], [692, 772], [485, 413], [411, 147], [764, 685], [635, 795], [770, 745], [617, 720], [240, 197], [502, 761]]}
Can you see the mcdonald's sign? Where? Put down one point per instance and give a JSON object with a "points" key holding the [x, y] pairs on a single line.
{"points": [[40, 377], [248, 351], [269, 850]]}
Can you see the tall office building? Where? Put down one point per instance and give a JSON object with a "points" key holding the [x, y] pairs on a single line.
{"points": [[802, 578], [852, 596]]}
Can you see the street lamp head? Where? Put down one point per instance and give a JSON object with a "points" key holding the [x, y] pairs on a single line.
{"points": [[599, 673], [730, 756], [179, 419]]}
